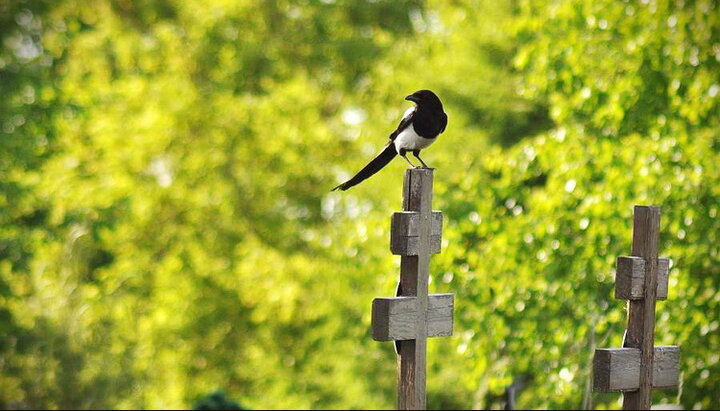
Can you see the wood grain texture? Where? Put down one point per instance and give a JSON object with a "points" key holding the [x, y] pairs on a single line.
{"points": [[410, 246], [394, 319], [407, 223], [405, 233], [641, 313], [630, 278], [618, 369], [414, 272]]}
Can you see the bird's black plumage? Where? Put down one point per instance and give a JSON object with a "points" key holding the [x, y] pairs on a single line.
{"points": [[417, 130]]}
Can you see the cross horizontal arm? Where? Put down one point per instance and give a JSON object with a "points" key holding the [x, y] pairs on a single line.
{"points": [[408, 223], [395, 319], [405, 233], [630, 278], [618, 369]]}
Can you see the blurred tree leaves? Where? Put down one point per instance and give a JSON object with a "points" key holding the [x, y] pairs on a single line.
{"points": [[167, 227]]}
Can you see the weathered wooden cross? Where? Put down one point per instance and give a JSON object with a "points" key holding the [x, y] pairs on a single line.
{"points": [[639, 366], [414, 315]]}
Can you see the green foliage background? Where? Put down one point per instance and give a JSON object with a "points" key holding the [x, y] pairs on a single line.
{"points": [[166, 225]]}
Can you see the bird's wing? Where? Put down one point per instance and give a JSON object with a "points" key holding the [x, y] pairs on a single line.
{"points": [[444, 121], [405, 122], [384, 157]]}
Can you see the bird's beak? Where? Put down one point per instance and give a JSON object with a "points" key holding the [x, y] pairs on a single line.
{"points": [[411, 97]]}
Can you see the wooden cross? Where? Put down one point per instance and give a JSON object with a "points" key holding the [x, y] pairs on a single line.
{"points": [[639, 366], [414, 315]]}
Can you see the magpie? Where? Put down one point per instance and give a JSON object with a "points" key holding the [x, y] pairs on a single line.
{"points": [[419, 127]]}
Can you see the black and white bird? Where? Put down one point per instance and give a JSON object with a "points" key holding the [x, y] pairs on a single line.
{"points": [[417, 130]]}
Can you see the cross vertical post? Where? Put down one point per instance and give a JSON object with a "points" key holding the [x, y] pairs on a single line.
{"points": [[639, 366], [414, 315], [414, 272], [641, 313]]}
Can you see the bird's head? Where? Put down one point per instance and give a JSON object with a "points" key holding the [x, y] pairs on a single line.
{"points": [[425, 98]]}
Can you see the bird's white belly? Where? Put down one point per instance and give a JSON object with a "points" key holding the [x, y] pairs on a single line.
{"points": [[409, 140]]}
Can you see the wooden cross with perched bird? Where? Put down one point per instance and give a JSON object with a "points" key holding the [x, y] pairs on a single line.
{"points": [[413, 315]]}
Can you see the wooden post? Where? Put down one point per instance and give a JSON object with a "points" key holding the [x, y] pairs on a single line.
{"points": [[639, 366], [641, 313], [414, 272], [414, 315]]}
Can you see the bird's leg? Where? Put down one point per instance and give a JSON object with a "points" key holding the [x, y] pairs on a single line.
{"points": [[402, 152], [416, 153]]}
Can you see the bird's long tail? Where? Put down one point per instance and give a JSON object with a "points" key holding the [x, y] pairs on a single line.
{"points": [[373, 167]]}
